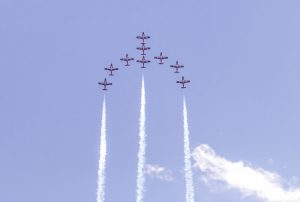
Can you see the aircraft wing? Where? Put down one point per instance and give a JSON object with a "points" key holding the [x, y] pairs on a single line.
{"points": [[143, 37]]}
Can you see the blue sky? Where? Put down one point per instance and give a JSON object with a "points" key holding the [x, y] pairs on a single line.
{"points": [[241, 56]]}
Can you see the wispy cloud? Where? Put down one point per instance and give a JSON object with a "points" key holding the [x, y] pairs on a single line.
{"points": [[157, 171], [265, 185]]}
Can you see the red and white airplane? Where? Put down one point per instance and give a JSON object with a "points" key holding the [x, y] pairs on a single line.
{"points": [[127, 59], [183, 81], [111, 69], [104, 84], [143, 60], [143, 37], [177, 66], [161, 58], [143, 48]]}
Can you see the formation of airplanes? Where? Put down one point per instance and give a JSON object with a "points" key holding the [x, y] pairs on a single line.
{"points": [[143, 37]]}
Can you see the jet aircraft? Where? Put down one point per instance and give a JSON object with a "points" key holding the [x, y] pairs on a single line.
{"points": [[104, 84], [143, 60], [161, 58], [143, 37], [111, 69], [127, 59], [177, 66], [143, 48], [183, 81]]}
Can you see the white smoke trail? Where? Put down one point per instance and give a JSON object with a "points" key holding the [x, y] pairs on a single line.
{"points": [[187, 158], [102, 159], [142, 148]]}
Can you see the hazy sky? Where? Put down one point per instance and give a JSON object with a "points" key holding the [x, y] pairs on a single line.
{"points": [[243, 58]]}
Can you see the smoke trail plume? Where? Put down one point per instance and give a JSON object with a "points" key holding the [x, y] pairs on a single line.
{"points": [[102, 160], [187, 158], [142, 148]]}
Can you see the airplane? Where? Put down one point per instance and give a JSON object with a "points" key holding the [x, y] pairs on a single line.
{"points": [[104, 84], [127, 59], [111, 69], [183, 81], [161, 58], [143, 48], [143, 37], [177, 66], [143, 60]]}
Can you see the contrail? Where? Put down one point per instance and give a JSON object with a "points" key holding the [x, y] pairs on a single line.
{"points": [[142, 148], [187, 158], [102, 160]]}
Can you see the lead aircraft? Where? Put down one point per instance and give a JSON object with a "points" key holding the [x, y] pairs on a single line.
{"points": [[143, 37]]}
